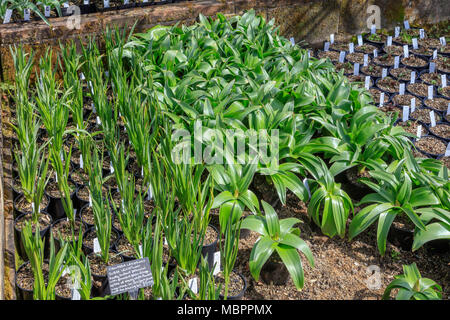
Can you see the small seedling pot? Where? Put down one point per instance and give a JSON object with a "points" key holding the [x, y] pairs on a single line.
{"points": [[43, 233], [21, 293], [55, 206], [208, 250], [401, 237], [17, 212], [241, 293], [437, 136], [431, 155], [103, 289], [274, 272], [88, 249]]}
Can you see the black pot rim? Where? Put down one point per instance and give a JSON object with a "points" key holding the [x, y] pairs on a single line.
{"points": [[241, 293], [21, 212], [26, 213], [104, 276]]}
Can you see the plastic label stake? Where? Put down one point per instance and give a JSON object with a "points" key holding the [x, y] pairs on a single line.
{"points": [[447, 151], [216, 262], [7, 17], [397, 32], [26, 14], [356, 69], [422, 33], [367, 82], [305, 183], [415, 44], [406, 51], [396, 62], [326, 46], [85, 2], [433, 119], [442, 41], [125, 2], [66, 4], [402, 89], [106, 3], [413, 105], [406, 24], [448, 109], [405, 114], [75, 295], [90, 201], [434, 54], [419, 131], [444, 80], [97, 248], [366, 60], [375, 53], [82, 76], [384, 73], [413, 77], [351, 47], [292, 41], [360, 40], [389, 41], [192, 284], [430, 92], [111, 168], [381, 99], [332, 38], [373, 29], [341, 56], [432, 67], [81, 161], [47, 11]]}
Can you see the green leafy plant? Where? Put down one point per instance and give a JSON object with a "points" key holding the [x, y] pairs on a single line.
{"points": [[43, 289], [280, 236], [412, 286]]}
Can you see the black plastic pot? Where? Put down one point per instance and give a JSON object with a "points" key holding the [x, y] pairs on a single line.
{"points": [[88, 250], [439, 246], [16, 192], [208, 250], [21, 293], [415, 94], [17, 212], [385, 92], [401, 237], [124, 256], [274, 272], [418, 68], [77, 201], [431, 155], [18, 236], [241, 293], [55, 206], [103, 289], [55, 235], [377, 44], [82, 210], [437, 136]]}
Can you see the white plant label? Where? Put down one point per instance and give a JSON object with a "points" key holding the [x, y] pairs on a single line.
{"points": [[85, 2], [433, 119], [373, 29], [396, 62], [7, 17], [192, 284], [444, 80], [165, 241], [351, 47], [413, 77], [375, 53], [442, 41], [415, 44], [356, 69], [430, 92], [32, 207], [434, 54], [389, 41], [397, 32], [422, 33], [326, 46], [125, 1], [360, 40], [332, 38], [341, 56], [82, 76], [405, 114], [149, 193], [56, 177], [47, 11], [90, 201], [292, 41], [384, 73], [145, 1], [216, 262], [111, 168], [26, 14], [406, 51], [402, 89], [99, 122], [140, 250], [447, 151], [142, 172], [367, 82], [309, 53], [305, 183], [448, 109], [413, 105], [432, 67], [81, 161], [75, 295], [366, 60], [106, 3], [381, 99], [419, 131], [66, 4], [406, 24], [97, 248]]}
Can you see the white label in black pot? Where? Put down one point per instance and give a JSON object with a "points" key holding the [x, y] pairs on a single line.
{"points": [[396, 62], [432, 67], [384, 73], [367, 82], [292, 41], [360, 40], [442, 40], [375, 53], [47, 11], [406, 24], [106, 3], [444, 80], [413, 77], [419, 131], [26, 14], [341, 56], [7, 17], [430, 92], [422, 33], [432, 118], [351, 47], [413, 105], [373, 29], [332, 38], [356, 69], [389, 41], [397, 31], [366, 60], [406, 51], [381, 99], [326, 46], [402, 88], [405, 114]]}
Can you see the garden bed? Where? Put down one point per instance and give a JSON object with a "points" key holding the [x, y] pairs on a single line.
{"points": [[332, 162]]}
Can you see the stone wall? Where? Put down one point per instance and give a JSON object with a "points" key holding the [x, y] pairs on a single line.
{"points": [[311, 21]]}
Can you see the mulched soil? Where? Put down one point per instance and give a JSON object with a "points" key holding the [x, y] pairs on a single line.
{"points": [[341, 267], [403, 74], [405, 100], [393, 50], [440, 104], [419, 89], [424, 115], [441, 130], [98, 267], [431, 145], [413, 61]]}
